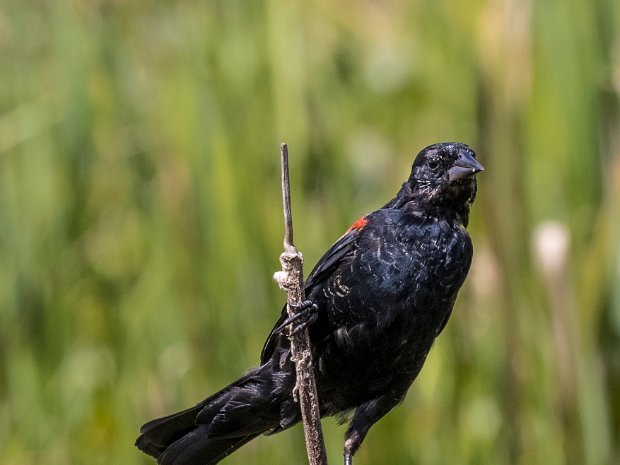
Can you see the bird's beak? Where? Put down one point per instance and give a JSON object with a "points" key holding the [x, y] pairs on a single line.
{"points": [[465, 166]]}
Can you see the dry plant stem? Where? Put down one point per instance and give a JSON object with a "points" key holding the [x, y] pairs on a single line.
{"points": [[290, 279]]}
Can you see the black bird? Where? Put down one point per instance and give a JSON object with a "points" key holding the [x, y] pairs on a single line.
{"points": [[376, 301]]}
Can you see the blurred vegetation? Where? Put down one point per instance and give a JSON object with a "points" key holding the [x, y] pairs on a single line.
{"points": [[141, 217]]}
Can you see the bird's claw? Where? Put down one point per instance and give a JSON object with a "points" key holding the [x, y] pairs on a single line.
{"points": [[306, 313]]}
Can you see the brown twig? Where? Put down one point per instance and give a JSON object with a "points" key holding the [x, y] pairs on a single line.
{"points": [[290, 279]]}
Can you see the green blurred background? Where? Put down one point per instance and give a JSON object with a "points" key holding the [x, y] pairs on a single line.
{"points": [[140, 213]]}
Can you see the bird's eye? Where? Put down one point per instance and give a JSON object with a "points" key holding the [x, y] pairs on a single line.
{"points": [[433, 165]]}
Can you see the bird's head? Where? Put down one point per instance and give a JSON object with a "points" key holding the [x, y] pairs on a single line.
{"points": [[445, 174]]}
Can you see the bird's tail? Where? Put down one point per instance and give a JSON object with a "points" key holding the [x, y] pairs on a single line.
{"points": [[219, 425]]}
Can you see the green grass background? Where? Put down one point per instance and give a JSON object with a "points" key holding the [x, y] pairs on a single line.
{"points": [[140, 213]]}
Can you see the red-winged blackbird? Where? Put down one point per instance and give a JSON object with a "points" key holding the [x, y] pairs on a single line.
{"points": [[376, 302]]}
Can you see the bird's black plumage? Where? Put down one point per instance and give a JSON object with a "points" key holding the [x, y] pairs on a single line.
{"points": [[383, 292]]}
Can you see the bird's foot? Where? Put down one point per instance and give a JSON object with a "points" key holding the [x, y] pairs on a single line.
{"points": [[306, 313]]}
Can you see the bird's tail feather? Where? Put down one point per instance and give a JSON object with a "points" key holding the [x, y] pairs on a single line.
{"points": [[219, 425], [197, 448], [158, 434]]}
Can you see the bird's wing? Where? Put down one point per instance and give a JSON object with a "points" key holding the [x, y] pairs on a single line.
{"points": [[337, 253]]}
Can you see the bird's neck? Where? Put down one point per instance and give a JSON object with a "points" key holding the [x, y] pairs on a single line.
{"points": [[427, 199]]}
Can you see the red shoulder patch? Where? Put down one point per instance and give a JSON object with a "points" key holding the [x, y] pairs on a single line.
{"points": [[359, 224]]}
